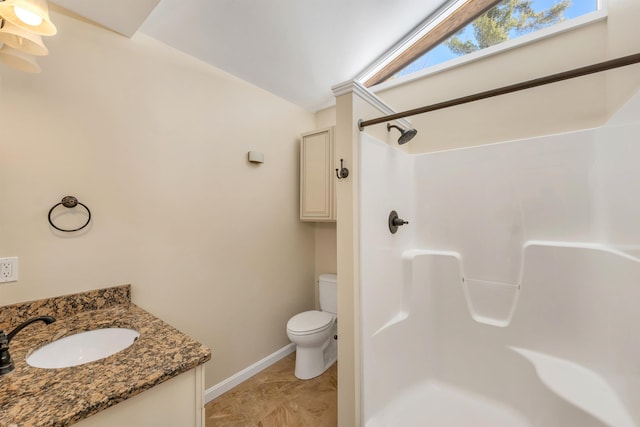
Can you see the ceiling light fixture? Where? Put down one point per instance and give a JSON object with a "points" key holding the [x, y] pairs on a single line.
{"points": [[32, 15], [22, 23], [18, 59], [19, 38], [27, 17]]}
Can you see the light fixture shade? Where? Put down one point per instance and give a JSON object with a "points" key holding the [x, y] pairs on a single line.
{"points": [[19, 60], [21, 39], [37, 7]]}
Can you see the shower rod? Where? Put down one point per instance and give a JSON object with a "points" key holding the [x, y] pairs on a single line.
{"points": [[553, 78]]}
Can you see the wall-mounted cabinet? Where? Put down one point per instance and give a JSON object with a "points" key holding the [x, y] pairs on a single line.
{"points": [[317, 176]]}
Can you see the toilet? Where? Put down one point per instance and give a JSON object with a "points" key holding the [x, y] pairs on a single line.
{"points": [[315, 332]]}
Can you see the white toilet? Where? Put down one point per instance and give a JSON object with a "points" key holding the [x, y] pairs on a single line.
{"points": [[314, 332]]}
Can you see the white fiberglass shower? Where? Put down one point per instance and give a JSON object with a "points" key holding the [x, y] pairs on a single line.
{"points": [[512, 297]]}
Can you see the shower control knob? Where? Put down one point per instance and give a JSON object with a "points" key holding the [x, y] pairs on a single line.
{"points": [[395, 221], [399, 221]]}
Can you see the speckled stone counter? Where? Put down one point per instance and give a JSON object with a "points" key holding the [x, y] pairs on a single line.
{"points": [[60, 397]]}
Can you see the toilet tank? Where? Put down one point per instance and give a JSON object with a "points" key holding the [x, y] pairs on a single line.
{"points": [[328, 289]]}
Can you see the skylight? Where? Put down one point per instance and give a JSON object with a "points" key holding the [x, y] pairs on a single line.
{"points": [[466, 26]]}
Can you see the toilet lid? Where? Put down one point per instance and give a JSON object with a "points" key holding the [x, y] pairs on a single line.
{"points": [[309, 322]]}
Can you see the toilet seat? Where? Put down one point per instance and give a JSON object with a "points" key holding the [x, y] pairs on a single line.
{"points": [[309, 322]]}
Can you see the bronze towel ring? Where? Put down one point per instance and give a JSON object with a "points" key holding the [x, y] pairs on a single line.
{"points": [[69, 202]]}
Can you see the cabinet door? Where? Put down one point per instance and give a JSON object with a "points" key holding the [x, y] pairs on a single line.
{"points": [[316, 176]]}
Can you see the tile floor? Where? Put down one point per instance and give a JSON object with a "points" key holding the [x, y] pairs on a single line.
{"points": [[276, 398]]}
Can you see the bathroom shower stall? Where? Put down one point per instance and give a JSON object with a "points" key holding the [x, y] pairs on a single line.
{"points": [[511, 298]]}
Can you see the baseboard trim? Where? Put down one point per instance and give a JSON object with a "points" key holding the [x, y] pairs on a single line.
{"points": [[245, 374]]}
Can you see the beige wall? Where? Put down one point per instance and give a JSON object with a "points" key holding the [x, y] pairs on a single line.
{"points": [[347, 263], [326, 117], [325, 232], [325, 252], [155, 143]]}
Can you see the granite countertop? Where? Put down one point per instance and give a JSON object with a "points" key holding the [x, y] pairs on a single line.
{"points": [[59, 397]]}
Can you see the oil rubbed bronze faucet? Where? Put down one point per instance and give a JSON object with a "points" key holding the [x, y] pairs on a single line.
{"points": [[6, 363]]}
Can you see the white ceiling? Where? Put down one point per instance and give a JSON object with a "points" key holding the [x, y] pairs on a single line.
{"points": [[296, 49], [121, 16]]}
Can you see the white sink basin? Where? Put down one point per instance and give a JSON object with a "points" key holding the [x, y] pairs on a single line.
{"points": [[82, 348]]}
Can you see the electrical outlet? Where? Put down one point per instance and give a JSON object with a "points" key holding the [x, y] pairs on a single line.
{"points": [[8, 269]]}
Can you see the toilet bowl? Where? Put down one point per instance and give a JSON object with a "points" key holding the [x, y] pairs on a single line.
{"points": [[315, 333]]}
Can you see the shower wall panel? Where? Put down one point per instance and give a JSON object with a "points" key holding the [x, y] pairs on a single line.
{"points": [[618, 200], [540, 237], [486, 202], [387, 183]]}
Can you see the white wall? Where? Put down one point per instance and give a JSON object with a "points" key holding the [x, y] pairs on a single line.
{"points": [[537, 236], [383, 300], [155, 143]]}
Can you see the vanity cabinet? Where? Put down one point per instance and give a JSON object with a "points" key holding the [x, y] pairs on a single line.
{"points": [[317, 176], [156, 381], [176, 402]]}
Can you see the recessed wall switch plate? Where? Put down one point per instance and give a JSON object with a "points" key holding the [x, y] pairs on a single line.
{"points": [[8, 269]]}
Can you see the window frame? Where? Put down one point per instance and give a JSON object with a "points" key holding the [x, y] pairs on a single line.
{"points": [[368, 75]]}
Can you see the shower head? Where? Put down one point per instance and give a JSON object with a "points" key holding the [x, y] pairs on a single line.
{"points": [[405, 134]]}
